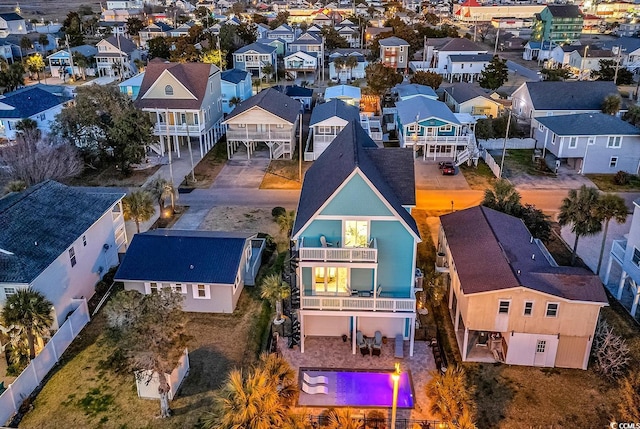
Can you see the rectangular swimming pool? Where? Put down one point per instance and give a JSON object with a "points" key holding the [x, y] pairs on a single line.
{"points": [[351, 388]]}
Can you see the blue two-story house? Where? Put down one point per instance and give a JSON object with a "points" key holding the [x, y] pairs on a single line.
{"points": [[356, 241], [234, 83], [427, 124], [252, 58]]}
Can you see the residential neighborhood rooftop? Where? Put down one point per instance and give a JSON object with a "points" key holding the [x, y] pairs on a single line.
{"points": [[334, 107], [588, 124], [579, 95], [272, 101]]}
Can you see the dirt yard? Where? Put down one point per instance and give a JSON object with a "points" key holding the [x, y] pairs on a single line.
{"points": [[51, 10]]}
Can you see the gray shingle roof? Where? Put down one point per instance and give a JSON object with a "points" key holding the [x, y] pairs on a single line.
{"points": [[628, 44], [580, 95], [424, 108], [391, 171], [333, 108], [234, 75], [461, 44], [49, 214], [464, 91], [183, 257], [564, 11], [393, 41], [257, 47], [505, 241], [588, 124], [272, 101], [126, 45], [470, 58], [409, 89]]}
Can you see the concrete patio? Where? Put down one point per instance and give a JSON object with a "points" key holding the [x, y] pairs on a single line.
{"points": [[333, 353]]}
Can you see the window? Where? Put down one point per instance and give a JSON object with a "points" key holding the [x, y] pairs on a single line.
{"points": [[179, 287], [280, 126], [72, 256], [356, 233], [324, 130], [196, 118], [201, 292], [573, 142], [540, 126], [168, 90], [541, 345], [591, 140], [43, 116], [183, 118], [236, 283], [401, 48], [636, 256], [8, 291], [553, 139], [528, 308], [614, 141], [503, 307], [461, 66], [154, 287], [445, 127], [552, 309], [331, 280], [84, 240], [613, 162]]}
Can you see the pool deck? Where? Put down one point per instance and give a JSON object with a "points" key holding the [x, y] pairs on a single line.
{"points": [[333, 353]]}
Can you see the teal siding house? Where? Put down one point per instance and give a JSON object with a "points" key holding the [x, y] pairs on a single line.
{"points": [[356, 241], [430, 126]]}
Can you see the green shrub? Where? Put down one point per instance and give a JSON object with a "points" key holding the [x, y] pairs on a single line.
{"points": [[621, 178], [278, 211]]}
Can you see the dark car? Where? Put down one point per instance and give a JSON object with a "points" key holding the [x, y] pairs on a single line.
{"points": [[448, 169]]}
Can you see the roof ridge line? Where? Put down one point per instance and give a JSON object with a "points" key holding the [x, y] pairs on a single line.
{"points": [[513, 270]]}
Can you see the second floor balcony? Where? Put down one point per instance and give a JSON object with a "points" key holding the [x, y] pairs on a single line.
{"points": [[261, 133], [332, 252], [618, 250]]}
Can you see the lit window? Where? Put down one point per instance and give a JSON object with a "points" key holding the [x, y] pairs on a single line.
{"points": [[503, 307], [528, 308], [168, 90], [552, 309], [356, 233], [331, 280], [72, 256]]}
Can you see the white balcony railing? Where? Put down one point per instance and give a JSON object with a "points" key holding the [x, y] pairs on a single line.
{"points": [[618, 249], [436, 140], [160, 128], [323, 138], [344, 254], [357, 303], [243, 134]]}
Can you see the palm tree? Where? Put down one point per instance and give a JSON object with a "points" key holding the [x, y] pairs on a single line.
{"points": [[31, 310], [503, 197], [278, 369], [275, 290], [342, 418], [448, 394], [15, 186], [28, 130], [610, 206], [234, 101], [578, 209], [285, 221], [338, 65], [138, 206], [611, 104], [351, 63], [161, 189], [267, 71]]}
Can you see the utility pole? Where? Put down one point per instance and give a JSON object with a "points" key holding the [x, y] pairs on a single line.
{"points": [[70, 57], [618, 52], [495, 47], [166, 123], [193, 176], [586, 48], [300, 154], [504, 146]]}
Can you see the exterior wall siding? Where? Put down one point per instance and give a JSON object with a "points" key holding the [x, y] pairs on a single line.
{"points": [[571, 351], [356, 199]]}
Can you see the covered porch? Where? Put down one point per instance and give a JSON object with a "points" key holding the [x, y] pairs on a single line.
{"points": [[279, 139], [629, 296]]}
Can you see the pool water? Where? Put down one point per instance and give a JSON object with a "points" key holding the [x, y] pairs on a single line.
{"points": [[360, 389]]}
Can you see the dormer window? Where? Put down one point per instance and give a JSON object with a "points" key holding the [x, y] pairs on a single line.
{"points": [[168, 90]]}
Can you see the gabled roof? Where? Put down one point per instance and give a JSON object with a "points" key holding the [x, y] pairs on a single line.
{"points": [[461, 44], [424, 108], [273, 102], [579, 95], [505, 242], [234, 75], [412, 89], [176, 256], [29, 101], [157, 27], [588, 124], [629, 44], [126, 45], [393, 41], [463, 91], [39, 224], [307, 39], [334, 108], [302, 54], [540, 45], [257, 47], [11, 16], [193, 76], [564, 11], [283, 28], [459, 58], [342, 91], [390, 170]]}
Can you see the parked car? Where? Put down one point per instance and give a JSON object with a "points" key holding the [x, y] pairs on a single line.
{"points": [[448, 169]]}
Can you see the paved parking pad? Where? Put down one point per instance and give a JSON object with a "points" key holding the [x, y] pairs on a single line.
{"points": [[429, 176]]}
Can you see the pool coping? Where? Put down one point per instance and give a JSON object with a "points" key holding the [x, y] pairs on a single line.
{"points": [[379, 370]]}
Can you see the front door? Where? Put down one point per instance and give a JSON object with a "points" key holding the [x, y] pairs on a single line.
{"points": [[431, 131]]}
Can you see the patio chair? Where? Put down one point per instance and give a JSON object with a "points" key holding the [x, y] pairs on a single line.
{"points": [[314, 390], [324, 243], [377, 340], [320, 379]]}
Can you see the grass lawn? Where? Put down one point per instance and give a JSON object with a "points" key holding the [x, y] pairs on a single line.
{"points": [[479, 178], [86, 391], [525, 397], [111, 177], [520, 161], [208, 168], [284, 174], [604, 182]]}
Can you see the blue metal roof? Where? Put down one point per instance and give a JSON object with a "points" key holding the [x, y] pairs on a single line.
{"points": [[29, 101], [183, 257], [424, 108], [234, 75], [257, 47]]}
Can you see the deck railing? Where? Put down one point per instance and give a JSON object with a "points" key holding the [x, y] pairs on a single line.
{"points": [[357, 303], [618, 249], [345, 254]]}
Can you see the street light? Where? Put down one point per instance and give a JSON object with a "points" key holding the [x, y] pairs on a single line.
{"points": [[396, 379]]}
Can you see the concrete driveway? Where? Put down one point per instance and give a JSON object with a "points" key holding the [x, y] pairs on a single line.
{"points": [[429, 177], [241, 174]]}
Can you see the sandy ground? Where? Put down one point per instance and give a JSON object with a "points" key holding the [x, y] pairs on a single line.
{"points": [[234, 218]]}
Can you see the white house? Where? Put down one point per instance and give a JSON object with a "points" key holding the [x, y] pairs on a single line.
{"points": [[38, 102], [60, 62], [327, 120], [12, 23], [59, 241], [463, 67], [346, 73], [116, 56], [301, 62], [209, 268]]}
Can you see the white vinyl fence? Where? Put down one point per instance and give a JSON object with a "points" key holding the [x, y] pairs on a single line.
{"points": [[512, 143], [488, 159], [32, 376], [148, 389]]}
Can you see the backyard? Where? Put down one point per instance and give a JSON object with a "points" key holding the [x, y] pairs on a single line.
{"points": [[605, 182], [103, 394]]}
